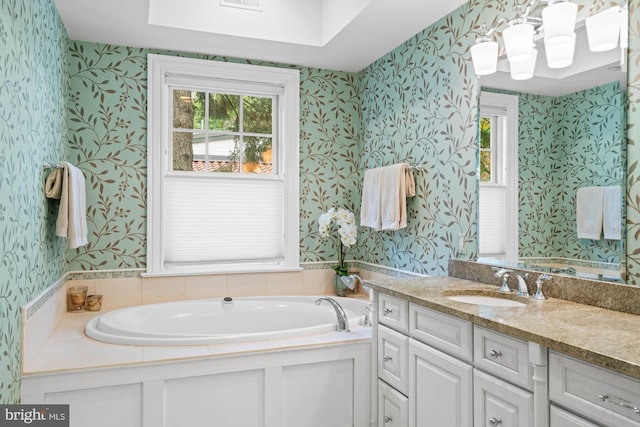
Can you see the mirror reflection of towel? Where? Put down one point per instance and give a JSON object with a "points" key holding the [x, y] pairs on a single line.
{"points": [[612, 213], [589, 212]]}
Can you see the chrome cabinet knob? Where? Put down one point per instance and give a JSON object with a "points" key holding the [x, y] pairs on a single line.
{"points": [[493, 421], [494, 354], [387, 358], [387, 419], [387, 310]]}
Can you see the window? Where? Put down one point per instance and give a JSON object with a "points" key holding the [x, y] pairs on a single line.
{"points": [[223, 167], [498, 192], [492, 143]]}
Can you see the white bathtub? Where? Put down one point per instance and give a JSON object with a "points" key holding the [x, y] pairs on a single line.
{"points": [[212, 321]]}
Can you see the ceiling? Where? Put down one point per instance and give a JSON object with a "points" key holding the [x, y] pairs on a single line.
{"points": [[372, 28]]}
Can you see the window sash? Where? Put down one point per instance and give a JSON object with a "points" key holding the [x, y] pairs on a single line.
{"points": [[282, 189]]}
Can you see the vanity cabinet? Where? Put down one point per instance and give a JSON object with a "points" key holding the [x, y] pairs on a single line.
{"points": [[603, 396], [438, 370]]}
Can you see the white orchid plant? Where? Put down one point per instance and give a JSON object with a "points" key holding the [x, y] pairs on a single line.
{"points": [[347, 230]]}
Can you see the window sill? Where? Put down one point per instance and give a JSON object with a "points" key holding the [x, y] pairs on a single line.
{"points": [[209, 272]]}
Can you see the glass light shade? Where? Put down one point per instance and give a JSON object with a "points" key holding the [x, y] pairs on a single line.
{"points": [[523, 70], [518, 41], [559, 51], [559, 20], [603, 30], [485, 57], [624, 28]]}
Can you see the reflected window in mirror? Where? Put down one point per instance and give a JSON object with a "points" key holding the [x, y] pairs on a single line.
{"points": [[498, 186]]}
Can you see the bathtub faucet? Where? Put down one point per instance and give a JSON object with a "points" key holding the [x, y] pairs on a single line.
{"points": [[343, 321]]}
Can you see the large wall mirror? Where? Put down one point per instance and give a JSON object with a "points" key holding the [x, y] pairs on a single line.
{"points": [[571, 125]]}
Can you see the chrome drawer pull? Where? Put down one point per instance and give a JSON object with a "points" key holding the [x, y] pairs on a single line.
{"points": [[494, 354], [387, 419], [618, 401], [387, 358], [494, 421], [387, 310]]}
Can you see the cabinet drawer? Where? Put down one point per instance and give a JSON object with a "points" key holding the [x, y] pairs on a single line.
{"points": [[393, 358], [561, 418], [503, 356], [497, 403], [392, 407], [446, 333], [393, 312], [604, 396]]}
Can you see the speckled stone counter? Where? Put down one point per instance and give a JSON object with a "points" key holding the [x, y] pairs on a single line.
{"points": [[606, 338]]}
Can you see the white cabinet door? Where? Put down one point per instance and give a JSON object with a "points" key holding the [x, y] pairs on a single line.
{"points": [[440, 389], [392, 407], [500, 404]]}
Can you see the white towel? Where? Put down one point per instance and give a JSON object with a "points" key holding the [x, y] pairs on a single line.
{"points": [[612, 213], [589, 212], [370, 207], [384, 194], [72, 212]]}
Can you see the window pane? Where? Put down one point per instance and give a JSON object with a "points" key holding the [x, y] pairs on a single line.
{"points": [[224, 112], [485, 132], [485, 166], [257, 155], [183, 150], [188, 109], [258, 114]]}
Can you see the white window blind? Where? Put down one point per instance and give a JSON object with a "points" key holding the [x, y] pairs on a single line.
{"points": [[211, 221], [492, 221]]}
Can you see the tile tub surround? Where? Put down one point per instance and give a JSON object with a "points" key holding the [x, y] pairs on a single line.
{"points": [[41, 337], [68, 348], [612, 296], [603, 337]]}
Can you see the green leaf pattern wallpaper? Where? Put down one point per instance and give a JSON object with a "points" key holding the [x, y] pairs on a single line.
{"points": [[108, 141], [565, 143], [418, 103], [33, 128]]}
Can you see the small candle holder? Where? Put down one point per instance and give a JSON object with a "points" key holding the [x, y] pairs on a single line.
{"points": [[94, 302], [77, 299]]}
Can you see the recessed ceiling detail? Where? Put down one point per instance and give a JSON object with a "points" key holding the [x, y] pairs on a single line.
{"points": [[343, 35], [310, 23]]}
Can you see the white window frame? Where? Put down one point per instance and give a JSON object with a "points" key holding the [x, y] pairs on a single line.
{"points": [[507, 106], [158, 148]]}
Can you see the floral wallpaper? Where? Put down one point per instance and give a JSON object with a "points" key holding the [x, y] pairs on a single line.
{"points": [[565, 143], [419, 104], [33, 128], [108, 141]]}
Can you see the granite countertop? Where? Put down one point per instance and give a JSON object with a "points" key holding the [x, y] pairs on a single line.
{"points": [[607, 338]]}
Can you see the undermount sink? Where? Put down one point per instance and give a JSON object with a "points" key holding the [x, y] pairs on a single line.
{"points": [[486, 300]]}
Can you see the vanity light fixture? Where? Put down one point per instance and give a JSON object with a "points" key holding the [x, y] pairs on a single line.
{"points": [[557, 26], [607, 28]]}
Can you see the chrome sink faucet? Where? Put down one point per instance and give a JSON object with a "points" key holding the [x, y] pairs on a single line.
{"points": [[541, 279], [343, 321], [523, 290]]}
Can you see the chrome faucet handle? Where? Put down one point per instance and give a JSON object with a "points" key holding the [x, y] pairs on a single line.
{"points": [[505, 284], [539, 295], [504, 273]]}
